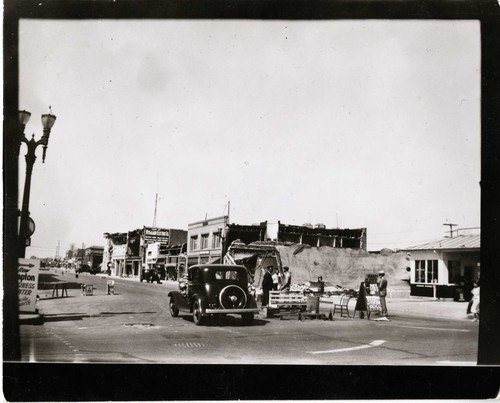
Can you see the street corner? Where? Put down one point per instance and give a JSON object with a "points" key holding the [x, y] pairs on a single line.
{"points": [[31, 319]]}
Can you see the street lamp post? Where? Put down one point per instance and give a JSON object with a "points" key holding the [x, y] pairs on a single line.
{"points": [[26, 226]]}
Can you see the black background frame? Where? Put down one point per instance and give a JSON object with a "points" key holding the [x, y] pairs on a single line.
{"points": [[144, 382]]}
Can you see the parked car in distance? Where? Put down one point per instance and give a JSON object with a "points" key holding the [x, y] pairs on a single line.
{"points": [[209, 290], [87, 269], [150, 276]]}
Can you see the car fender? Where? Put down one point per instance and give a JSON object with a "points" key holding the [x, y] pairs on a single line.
{"points": [[179, 300]]}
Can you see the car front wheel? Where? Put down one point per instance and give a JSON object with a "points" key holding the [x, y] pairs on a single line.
{"points": [[197, 316], [174, 310]]}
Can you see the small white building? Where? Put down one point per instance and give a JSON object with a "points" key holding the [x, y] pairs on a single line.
{"points": [[441, 268], [153, 254]]}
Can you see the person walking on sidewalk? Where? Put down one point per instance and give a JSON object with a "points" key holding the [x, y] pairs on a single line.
{"points": [[382, 289], [475, 301]]}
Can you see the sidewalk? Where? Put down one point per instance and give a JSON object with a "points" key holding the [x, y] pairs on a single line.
{"points": [[36, 318], [427, 307], [420, 307]]}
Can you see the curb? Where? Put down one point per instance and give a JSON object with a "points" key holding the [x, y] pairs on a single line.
{"points": [[35, 319]]}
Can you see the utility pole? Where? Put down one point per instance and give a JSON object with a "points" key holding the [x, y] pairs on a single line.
{"points": [[156, 205], [451, 228], [83, 253]]}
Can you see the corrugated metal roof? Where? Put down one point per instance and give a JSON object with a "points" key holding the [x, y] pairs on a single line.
{"points": [[458, 242]]}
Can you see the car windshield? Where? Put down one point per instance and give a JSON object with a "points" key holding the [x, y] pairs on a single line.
{"points": [[226, 275]]}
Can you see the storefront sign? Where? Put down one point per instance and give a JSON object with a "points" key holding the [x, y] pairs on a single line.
{"points": [[156, 234], [27, 275]]}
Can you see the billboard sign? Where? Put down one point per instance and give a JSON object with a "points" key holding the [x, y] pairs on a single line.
{"points": [[156, 234], [27, 275]]}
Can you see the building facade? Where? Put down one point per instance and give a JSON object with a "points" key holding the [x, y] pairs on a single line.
{"points": [[164, 259], [440, 269], [93, 258], [205, 240], [319, 235], [208, 240], [125, 252]]}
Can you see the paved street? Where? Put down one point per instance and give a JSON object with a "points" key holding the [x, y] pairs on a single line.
{"points": [[135, 326]]}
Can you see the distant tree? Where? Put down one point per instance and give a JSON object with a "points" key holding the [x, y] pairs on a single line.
{"points": [[33, 257]]}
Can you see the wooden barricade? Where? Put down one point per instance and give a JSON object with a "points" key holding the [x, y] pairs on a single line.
{"points": [[56, 286], [60, 286], [279, 299], [286, 304]]}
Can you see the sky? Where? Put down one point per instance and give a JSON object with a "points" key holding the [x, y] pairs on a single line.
{"points": [[351, 123]]}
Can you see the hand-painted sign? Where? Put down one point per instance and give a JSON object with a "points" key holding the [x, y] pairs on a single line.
{"points": [[368, 300], [27, 275]]}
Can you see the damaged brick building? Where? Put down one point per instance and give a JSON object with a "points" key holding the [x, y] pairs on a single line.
{"points": [[259, 245], [305, 234]]}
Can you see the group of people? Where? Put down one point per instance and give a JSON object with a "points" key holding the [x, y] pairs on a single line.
{"points": [[274, 281], [370, 287]]}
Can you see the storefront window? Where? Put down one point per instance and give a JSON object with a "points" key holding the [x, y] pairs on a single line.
{"points": [[432, 275], [204, 241], [194, 242], [426, 271], [420, 271], [215, 240]]}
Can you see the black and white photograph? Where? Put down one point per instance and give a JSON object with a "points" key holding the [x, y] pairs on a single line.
{"points": [[263, 192]]}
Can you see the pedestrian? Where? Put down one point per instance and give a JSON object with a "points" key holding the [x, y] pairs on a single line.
{"points": [[276, 280], [469, 296], [287, 279], [267, 285], [475, 301], [382, 292], [321, 285], [467, 285]]}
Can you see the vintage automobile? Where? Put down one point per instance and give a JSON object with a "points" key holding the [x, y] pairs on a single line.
{"points": [[209, 290], [150, 276]]}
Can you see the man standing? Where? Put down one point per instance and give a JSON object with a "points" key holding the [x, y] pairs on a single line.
{"points": [[382, 289], [287, 279], [267, 285]]}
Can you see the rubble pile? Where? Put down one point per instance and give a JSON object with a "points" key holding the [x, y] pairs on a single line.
{"points": [[346, 267]]}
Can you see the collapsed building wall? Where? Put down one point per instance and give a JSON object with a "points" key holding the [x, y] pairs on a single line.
{"points": [[345, 267]]}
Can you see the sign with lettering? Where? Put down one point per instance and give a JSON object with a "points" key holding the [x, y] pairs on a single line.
{"points": [[156, 234], [368, 299], [27, 276]]}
